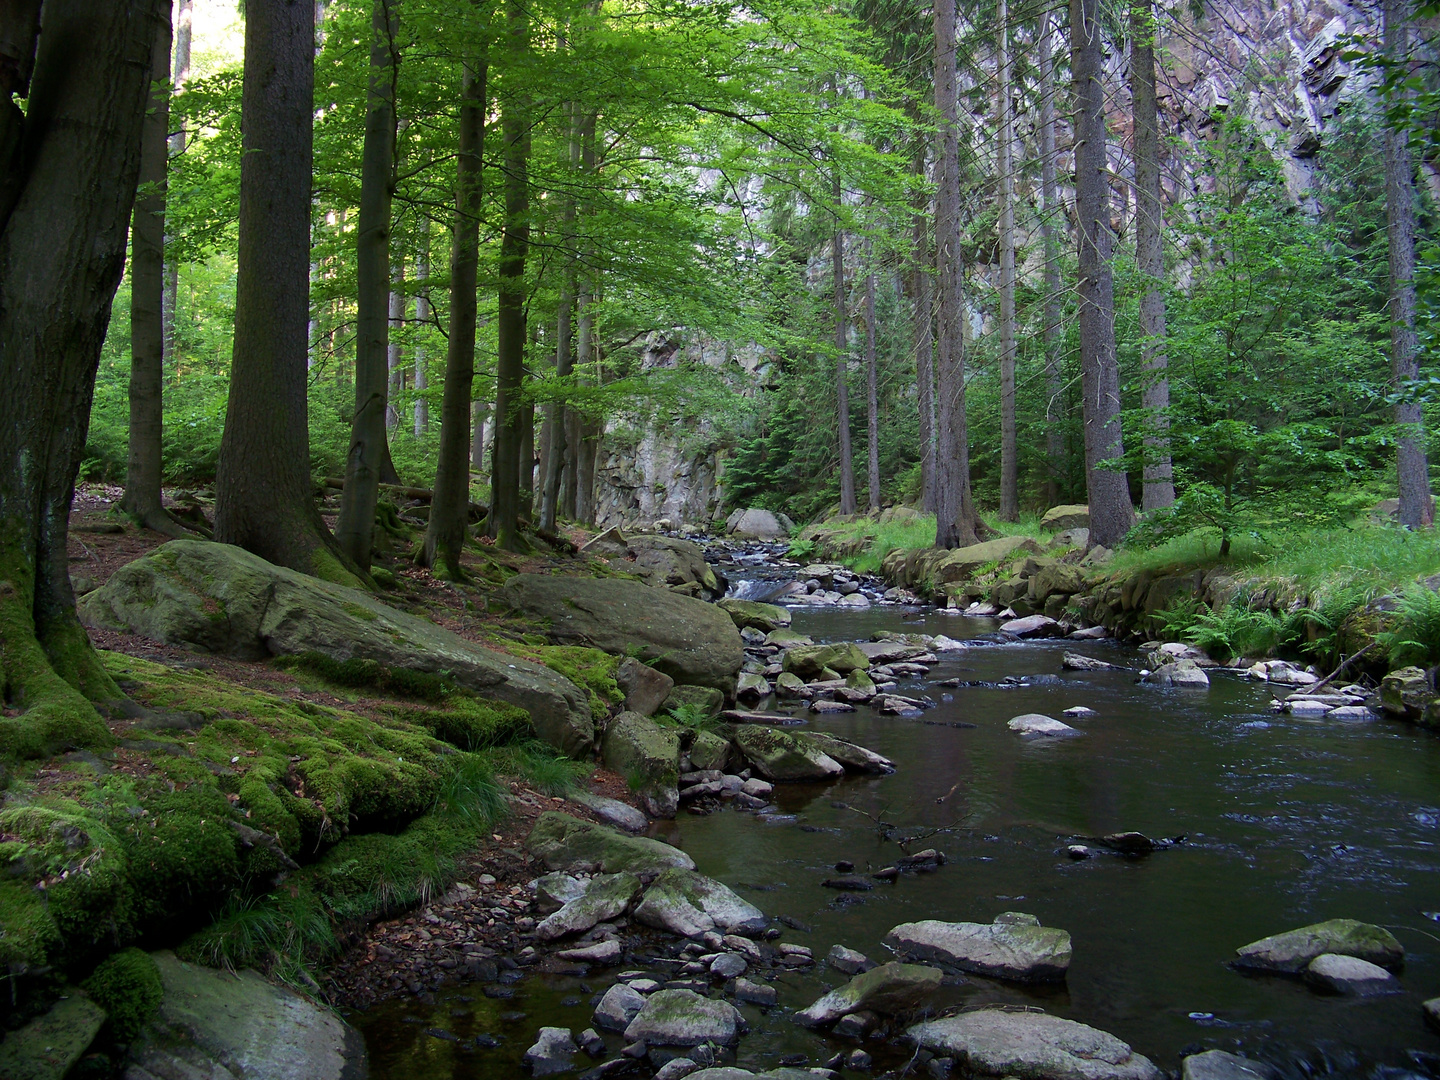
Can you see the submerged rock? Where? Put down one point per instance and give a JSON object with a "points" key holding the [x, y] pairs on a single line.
{"points": [[888, 989], [567, 843], [999, 1043], [608, 896], [1008, 949], [1292, 951], [1219, 1065], [691, 904], [684, 1018], [1349, 975]]}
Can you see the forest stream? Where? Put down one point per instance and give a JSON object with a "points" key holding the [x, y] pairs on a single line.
{"points": [[1285, 821]]}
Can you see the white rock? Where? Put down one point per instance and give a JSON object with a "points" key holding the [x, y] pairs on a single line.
{"points": [[1039, 724], [1078, 710], [995, 1042], [1349, 975]]}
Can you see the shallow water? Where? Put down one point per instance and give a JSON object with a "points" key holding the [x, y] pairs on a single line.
{"points": [[1287, 822]]}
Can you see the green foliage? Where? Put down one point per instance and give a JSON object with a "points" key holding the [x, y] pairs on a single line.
{"points": [[276, 932], [691, 717], [589, 668], [371, 675], [470, 794], [542, 767], [127, 986], [1415, 635]]}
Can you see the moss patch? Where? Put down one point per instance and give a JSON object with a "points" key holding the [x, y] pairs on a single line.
{"points": [[590, 668], [127, 986]]}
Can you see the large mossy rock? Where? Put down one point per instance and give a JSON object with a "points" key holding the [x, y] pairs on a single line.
{"points": [[1060, 518], [684, 1018], [1406, 692], [887, 989], [785, 755], [221, 599], [1005, 949], [808, 661], [690, 904], [961, 564], [757, 616], [220, 1023], [1292, 951], [647, 756], [608, 896], [1031, 1046], [693, 642], [668, 562], [567, 843], [47, 1047]]}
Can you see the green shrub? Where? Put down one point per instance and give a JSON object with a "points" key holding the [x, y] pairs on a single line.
{"points": [[1415, 637], [127, 986], [470, 794]]}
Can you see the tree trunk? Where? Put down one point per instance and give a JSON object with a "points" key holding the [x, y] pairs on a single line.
{"points": [[575, 422], [263, 491], [1111, 513], [450, 509], [71, 162], [423, 315], [1049, 242], [842, 360], [954, 512], [558, 446], [1159, 491], [394, 361], [375, 355], [1417, 508], [479, 413], [923, 331], [510, 313], [147, 298], [184, 19], [872, 385], [584, 426], [1009, 450]]}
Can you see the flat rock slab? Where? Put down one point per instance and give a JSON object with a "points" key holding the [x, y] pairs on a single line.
{"points": [[684, 1018], [211, 1021], [690, 904], [1032, 1046], [1292, 951], [1079, 662], [48, 1046], [1350, 976], [693, 642], [887, 989], [1031, 626], [608, 896], [612, 811], [853, 756], [1220, 1065], [1040, 724], [567, 843], [1003, 950], [784, 755], [221, 599]]}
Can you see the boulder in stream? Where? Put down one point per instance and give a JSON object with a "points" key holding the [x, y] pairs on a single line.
{"points": [[1032, 626], [998, 1043], [1220, 1065], [690, 904], [618, 1007], [1292, 951], [1009, 948], [785, 755], [1073, 661], [757, 524], [888, 989], [1040, 724], [1350, 976], [684, 1018], [553, 1052], [1186, 673], [755, 615], [564, 842], [853, 756], [221, 599], [607, 897], [1406, 692], [809, 661]]}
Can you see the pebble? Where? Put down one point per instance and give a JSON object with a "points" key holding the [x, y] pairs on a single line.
{"points": [[755, 993]]}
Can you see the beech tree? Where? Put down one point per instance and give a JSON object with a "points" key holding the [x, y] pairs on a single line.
{"points": [[842, 356], [872, 389], [69, 165], [1052, 336]]}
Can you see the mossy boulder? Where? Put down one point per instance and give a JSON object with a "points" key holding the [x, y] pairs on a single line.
{"points": [[1008, 948], [1406, 692], [608, 897], [709, 751], [127, 986], [684, 1018], [693, 642], [809, 661], [690, 904], [757, 616], [706, 699], [669, 562], [1292, 951], [889, 988], [785, 755], [786, 639], [221, 599], [998, 1042], [647, 755], [961, 564], [49, 1046], [564, 842], [1060, 518]]}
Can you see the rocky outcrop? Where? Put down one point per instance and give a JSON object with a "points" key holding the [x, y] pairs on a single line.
{"points": [[563, 842], [887, 989], [1012, 947], [998, 1043], [1292, 951], [693, 642]]}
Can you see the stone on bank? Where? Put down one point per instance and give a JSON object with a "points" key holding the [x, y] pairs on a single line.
{"points": [[1035, 1046]]}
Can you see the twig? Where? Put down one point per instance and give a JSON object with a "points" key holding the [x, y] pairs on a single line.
{"points": [[1343, 665]]}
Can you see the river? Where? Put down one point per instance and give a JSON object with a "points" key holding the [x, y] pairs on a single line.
{"points": [[1286, 822]]}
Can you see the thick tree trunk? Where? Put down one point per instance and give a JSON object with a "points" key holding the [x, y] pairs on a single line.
{"points": [[510, 318], [842, 362], [375, 355], [1417, 508], [558, 447], [147, 296], [1049, 242], [575, 423], [1111, 512], [423, 315], [264, 498], [450, 509], [71, 162], [1009, 449], [872, 386], [1159, 491], [954, 512], [584, 427], [184, 19], [922, 260]]}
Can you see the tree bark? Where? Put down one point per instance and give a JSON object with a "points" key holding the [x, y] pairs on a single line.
{"points": [[575, 422], [450, 509], [147, 298], [955, 519], [872, 385], [394, 361], [479, 414], [1049, 242], [1417, 508], [585, 427], [559, 449], [375, 355], [842, 360], [1009, 449], [71, 163], [263, 490], [510, 311], [184, 19], [1111, 512], [922, 259], [1159, 490], [423, 315]]}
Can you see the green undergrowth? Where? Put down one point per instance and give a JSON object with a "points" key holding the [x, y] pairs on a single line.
{"points": [[862, 544], [127, 986], [590, 669]]}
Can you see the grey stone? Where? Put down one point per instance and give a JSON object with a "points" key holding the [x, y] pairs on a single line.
{"points": [[1032, 1045], [1040, 724], [647, 755], [1186, 673], [709, 751], [612, 811], [847, 960], [49, 1045], [645, 688], [689, 904], [602, 953], [728, 966], [852, 756], [1078, 662], [693, 642], [1293, 950], [618, 1007], [707, 699], [1069, 516], [221, 599], [1005, 950], [757, 524], [785, 755], [553, 1052], [213, 1021], [760, 994], [676, 1068], [1031, 626], [855, 1025], [564, 842], [1405, 692], [756, 616], [752, 687], [1349, 975], [1219, 1065], [761, 789], [889, 988], [665, 562], [554, 890], [609, 895], [684, 1018]]}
